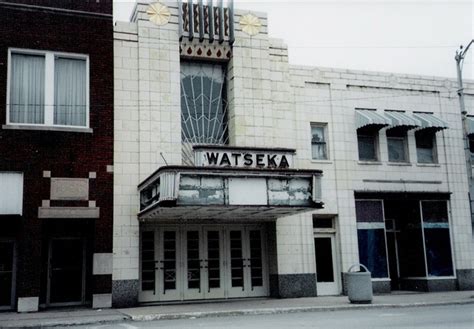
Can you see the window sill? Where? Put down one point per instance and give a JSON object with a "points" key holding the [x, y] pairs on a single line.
{"points": [[429, 278], [376, 163], [321, 161], [403, 164], [428, 165], [47, 128]]}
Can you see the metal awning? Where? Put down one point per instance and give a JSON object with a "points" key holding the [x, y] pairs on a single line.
{"points": [[401, 119], [470, 125], [429, 121], [175, 193], [370, 118]]}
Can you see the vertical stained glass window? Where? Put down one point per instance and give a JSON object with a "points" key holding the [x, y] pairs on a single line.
{"points": [[203, 105]]}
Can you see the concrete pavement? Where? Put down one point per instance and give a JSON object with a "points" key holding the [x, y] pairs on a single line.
{"points": [[63, 317], [228, 308], [428, 317]]}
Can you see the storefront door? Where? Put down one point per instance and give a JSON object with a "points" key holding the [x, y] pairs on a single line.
{"points": [[202, 262], [66, 271], [326, 265], [7, 262]]}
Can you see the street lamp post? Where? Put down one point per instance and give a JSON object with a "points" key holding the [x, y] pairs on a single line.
{"points": [[460, 54]]}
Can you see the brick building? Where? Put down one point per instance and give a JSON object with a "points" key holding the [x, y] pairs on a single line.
{"points": [[207, 107], [56, 153]]}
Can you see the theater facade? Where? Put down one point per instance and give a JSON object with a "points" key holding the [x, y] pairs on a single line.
{"points": [[238, 175]]}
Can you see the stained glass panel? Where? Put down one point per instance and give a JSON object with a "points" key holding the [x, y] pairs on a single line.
{"points": [[203, 106]]}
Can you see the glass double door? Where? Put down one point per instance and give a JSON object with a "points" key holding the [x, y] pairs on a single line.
{"points": [[246, 263], [202, 262]]}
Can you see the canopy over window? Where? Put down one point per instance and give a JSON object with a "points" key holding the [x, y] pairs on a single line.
{"points": [[470, 125], [429, 121], [366, 118], [401, 119]]}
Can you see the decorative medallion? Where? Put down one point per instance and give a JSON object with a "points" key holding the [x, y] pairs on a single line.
{"points": [[158, 13], [250, 24]]}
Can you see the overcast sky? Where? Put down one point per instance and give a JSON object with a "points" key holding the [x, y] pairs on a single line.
{"points": [[418, 37]]}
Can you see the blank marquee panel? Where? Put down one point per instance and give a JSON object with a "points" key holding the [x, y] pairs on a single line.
{"points": [[248, 191]]}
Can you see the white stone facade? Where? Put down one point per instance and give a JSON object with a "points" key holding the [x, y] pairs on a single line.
{"points": [[272, 104]]}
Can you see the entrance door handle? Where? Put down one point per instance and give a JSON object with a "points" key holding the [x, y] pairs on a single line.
{"points": [[248, 264], [158, 268], [204, 261]]}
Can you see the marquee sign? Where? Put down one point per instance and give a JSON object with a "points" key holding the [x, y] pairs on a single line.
{"points": [[263, 158]]}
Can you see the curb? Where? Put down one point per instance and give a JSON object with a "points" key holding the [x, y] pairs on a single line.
{"points": [[66, 323], [194, 315], [269, 311]]}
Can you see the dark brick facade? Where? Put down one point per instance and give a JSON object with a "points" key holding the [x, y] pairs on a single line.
{"points": [[93, 6], [65, 154]]}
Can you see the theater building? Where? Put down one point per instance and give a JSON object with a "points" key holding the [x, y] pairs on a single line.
{"points": [[239, 175], [56, 145]]}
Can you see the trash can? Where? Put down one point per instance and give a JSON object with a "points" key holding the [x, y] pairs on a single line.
{"points": [[359, 285]]}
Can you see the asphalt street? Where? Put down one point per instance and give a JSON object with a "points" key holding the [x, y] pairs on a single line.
{"points": [[453, 316]]}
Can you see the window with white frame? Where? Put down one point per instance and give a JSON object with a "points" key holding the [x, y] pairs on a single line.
{"points": [[48, 88], [397, 142], [319, 149], [426, 146]]}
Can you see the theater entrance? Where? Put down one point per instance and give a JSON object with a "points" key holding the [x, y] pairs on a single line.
{"points": [[191, 262]]}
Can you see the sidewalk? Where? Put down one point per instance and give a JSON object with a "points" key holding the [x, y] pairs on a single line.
{"points": [[228, 308]]}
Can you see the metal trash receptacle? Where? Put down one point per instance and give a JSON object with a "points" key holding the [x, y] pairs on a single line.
{"points": [[359, 285]]}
